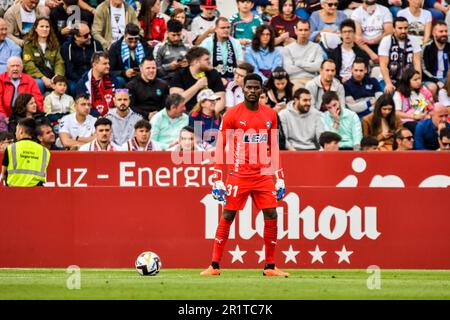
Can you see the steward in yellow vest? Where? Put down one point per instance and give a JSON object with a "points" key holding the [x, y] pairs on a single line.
{"points": [[25, 162]]}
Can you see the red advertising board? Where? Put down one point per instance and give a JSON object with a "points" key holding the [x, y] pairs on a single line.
{"points": [[328, 169], [319, 227]]}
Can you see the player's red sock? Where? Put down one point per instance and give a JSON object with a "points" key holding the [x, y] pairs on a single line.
{"points": [[270, 239], [222, 232]]}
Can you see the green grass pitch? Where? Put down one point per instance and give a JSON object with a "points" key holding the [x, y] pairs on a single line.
{"points": [[233, 284]]}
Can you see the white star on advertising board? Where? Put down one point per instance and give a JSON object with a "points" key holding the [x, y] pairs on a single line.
{"points": [[291, 255], [237, 254], [344, 255], [262, 254], [317, 255]]}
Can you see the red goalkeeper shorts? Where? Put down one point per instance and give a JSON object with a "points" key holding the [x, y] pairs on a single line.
{"points": [[260, 188]]}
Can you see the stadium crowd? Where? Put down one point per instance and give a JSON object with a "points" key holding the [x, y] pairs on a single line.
{"points": [[143, 75]]}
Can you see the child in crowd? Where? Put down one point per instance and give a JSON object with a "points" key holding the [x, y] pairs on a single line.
{"points": [[244, 22], [186, 36], [58, 104], [204, 25]]}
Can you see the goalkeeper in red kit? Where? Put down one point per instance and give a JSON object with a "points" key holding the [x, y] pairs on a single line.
{"points": [[248, 145]]}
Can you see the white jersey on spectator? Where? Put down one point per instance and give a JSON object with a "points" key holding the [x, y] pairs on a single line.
{"points": [[372, 25], [416, 28], [70, 125], [200, 25], [117, 23], [233, 95]]}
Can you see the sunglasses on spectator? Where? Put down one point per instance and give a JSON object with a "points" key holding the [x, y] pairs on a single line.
{"points": [[279, 74], [85, 36], [333, 4], [408, 138]]}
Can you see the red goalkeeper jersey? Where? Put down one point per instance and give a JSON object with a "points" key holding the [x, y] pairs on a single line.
{"points": [[248, 141]]}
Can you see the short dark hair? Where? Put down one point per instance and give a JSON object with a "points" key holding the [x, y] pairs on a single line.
{"points": [[246, 66], [438, 23], [29, 126], [329, 96], [39, 126], [102, 122], [188, 129], [143, 124], [221, 19], [303, 21], [253, 76], [300, 91], [132, 29], [96, 56], [196, 53], [83, 96], [400, 19], [368, 141], [174, 100], [6, 136], [445, 133], [359, 60], [174, 25], [327, 137], [327, 60], [148, 58], [347, 23], [59, 78]]}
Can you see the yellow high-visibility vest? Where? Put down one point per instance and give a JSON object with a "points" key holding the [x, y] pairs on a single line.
{"points": [[28, 162]]}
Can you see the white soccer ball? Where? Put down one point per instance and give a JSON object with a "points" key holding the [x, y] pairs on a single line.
{"points": [[148, 264]]}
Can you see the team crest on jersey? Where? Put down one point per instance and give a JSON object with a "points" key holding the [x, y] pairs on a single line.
{"points": [[255, 138], [269, 124]]}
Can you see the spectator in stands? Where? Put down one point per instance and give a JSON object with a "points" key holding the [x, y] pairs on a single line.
{"points": [[329, 141], [361, 91], [403, 140], [435, 58], [419, 21], [20, 18], [263, 54], [77, 128], [25, 106], [3, 123], [46, 136], [103, 136], [426, 135], [302, 59], [77, 54], [244, 22], [7, 47], [122, 117], [187, 141], [444, 93], [204, 119], [382, 123], [341, 121], [225, 51], [63, 21], [99, 84], [391, 48], [413, 100], [345, 53], [373, 22], [5, 6], [437, 9], [14, 82], [285, 23], [6, 138], [444, 140], [167, 123], [107, 30], [200, 75], [152, 21], [186, 35], [148, 93], [234, 94], [58, 104], [280, 89], [325, 82], [170, 55], [127, 53], [302, 124], [41, 54], [325, 24], [369, 143], [141, 140], [205, 24]]}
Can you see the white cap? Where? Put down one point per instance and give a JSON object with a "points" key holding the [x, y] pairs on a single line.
{"points": [[207, 94]]}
